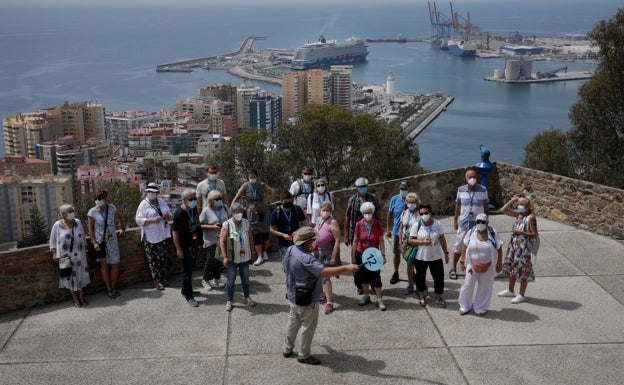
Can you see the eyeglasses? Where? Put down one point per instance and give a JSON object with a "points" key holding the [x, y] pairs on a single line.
{"points": [[424, 213], [192, 199], [480, 222], [307, 173], [320, 185]]}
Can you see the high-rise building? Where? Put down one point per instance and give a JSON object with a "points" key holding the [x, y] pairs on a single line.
{"points": [[342, 85], [23, 131], [120, 124], [319, 87], [293, 93], [224, 92], [20, 196], [265, 111], [244, 95], [82, 120]]}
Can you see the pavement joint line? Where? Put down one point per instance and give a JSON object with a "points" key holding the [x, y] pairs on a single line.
{"points": [[15, 329]]}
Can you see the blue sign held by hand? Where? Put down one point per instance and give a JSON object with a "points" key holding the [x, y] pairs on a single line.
{"points": [[372, 259]]}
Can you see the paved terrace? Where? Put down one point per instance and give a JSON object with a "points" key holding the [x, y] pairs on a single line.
{"points": [[569, 331]]}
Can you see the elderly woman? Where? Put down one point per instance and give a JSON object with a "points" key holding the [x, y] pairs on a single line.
{"points": [[481, 258], [101, 221], [327, 248], [319, 196], [368, 233], [186, 230], [408, 218], [518, 258], [258, 213], [428, 234], [235, 243], [67, 240], [211, 219]]}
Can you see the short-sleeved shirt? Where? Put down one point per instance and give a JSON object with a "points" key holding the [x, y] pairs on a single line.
{"points": [[315, 200], [302, 269], [471, 201], [353, 209], [422, 232], [211, 216], [397, 206], [205, 187], [301, 189], [186, 223], [287, 221]]}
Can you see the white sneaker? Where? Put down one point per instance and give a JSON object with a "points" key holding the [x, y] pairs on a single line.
{"points": [[259, 261], [265, 255], [506, 293], [381, 305], [228, 306], [218, 283], [518, 299], [206, 285]]}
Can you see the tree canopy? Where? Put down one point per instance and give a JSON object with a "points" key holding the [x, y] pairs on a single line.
{"points": [[592, 149]]}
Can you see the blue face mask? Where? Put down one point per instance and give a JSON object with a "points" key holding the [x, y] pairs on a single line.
{"points": [[192, 204], [362, 190], [218, 203], [403, 193], [521, 208]]}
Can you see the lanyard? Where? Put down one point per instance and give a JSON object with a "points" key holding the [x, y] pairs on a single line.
{"points": [[318, 198], [254, 192], [191, 219], [288, 216], [471, 197], [368, 233], [157, 208], [218, 214]]}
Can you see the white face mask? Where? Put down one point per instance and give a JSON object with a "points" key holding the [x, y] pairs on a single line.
{"points": [[307, 177], [238, 216], [212, 177], [99, 202], [252, 180], [472, 181], [412, 206], [71, 216], [152, 195], [481, 226], [325, 214], [426, 217], [368, 217], [321, 189], [521, 208]]}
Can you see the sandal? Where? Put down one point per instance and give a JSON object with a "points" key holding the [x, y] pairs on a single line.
{"points": [[440, 302], [116, 293], [77, 304], [453, 274], [84, 302], [160, 286], [422, 302], [111, 294]]}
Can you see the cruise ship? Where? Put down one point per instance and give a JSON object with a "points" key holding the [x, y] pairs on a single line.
{"points": [[325, 53], [462, 48]]}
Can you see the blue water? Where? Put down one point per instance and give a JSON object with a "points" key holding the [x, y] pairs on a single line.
{"points": [[50, 55]]}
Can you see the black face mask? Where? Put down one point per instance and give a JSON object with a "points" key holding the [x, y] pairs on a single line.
{"points": [[287, 205]]}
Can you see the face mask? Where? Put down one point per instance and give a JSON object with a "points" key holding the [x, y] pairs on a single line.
{"points": [[238, 216], [252, 180], [71, 216], [321, 189], [99, 202], [287, 205], [403, 193], [426, 217], [217, 203], [192, 204], [412, 206], [481, 226], [325, 214], [152, 195], [472, 181], [368, 217], [521, 208], [307, 177], [212, 177], [362, 190]]}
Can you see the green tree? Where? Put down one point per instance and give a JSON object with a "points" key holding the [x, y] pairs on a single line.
{"points": [[342, 146], [598, 115], [124, 196], [37, 231], [549, 151]]}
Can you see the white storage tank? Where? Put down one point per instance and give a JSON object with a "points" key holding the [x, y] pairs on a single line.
{"points": [[527, 67], [512, 69], [499, 73]]}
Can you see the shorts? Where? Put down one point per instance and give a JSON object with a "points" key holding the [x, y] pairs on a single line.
{"points": [[396, 245], [459, 241], [366, 276], [260, 237]]}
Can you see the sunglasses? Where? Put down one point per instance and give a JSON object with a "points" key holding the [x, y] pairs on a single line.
{"points": [[218, 199], [424, 213], [307, 173], [480, 222], [320, 185], [192, 199]]}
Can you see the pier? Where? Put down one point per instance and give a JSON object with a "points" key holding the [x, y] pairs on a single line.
{"points": [[572, 75], [418, 122]]}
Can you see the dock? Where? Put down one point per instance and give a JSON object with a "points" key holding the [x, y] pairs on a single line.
{"points": [[418, 122], [572, 75]]}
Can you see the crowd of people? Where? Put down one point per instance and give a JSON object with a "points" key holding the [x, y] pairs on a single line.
{"points": [[235, 235]]}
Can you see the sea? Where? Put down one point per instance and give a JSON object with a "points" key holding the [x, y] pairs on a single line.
{"points": [[50, 54]]}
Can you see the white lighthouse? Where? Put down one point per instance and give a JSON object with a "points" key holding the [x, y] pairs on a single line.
{"points": [[390, 84]]}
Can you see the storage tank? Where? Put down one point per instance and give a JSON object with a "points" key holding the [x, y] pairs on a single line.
{"points": [[499, 73], [527, 68], [512, 69]]}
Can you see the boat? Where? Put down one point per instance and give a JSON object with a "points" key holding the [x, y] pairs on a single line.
{"points": [[462, 48], [324, 53]]}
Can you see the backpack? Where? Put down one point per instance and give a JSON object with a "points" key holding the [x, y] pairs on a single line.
{"points": [[300, 192], [294, 207]]}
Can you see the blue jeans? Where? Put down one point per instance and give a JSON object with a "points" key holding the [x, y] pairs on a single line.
{"points": [[243, 269]]}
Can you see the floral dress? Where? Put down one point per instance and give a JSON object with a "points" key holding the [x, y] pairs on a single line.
{"points": [[70, 242], [518, 258]]}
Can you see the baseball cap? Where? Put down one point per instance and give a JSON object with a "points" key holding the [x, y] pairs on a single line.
{"points": [[404, 185], [482, 217], [152, 187]]}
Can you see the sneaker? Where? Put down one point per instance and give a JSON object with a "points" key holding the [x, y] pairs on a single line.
{"points": [[427, 293], [365, 300], [381, 305], [228, 306], [287, 353], [265, 256], [192, 302], [329, 307], [506, 293], [309, 360], [323, 298], [250, 302], [206, 285], [518, 299], [360, 291], [395, 278], [214, 283], [259, 261], [408, 290]]}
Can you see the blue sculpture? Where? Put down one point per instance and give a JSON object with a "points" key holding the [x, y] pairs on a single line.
{"points": [[484, 165]]}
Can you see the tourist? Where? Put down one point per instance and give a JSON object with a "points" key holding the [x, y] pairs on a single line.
{"points": [[257, 213], [428, 234], [101, 221], [186, 233], [286, 218], [393, 223], [67, 241], [472, 200], [320, 195], [327, 249], [481, 258], [211, 219], [353, 215], [368, 233], [235, 242], [153, 216], [518, 264], [408, 218], [303, 290], [209, 184], [303, 187]]}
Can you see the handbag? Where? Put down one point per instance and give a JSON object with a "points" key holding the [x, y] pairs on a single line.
{"points": [[64, 267], [409, 251], [480, 267], [229, 245], [303, 294], [96, 255]]}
